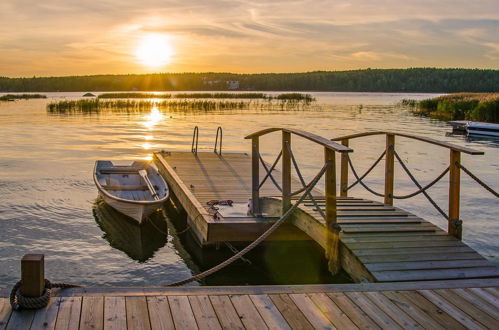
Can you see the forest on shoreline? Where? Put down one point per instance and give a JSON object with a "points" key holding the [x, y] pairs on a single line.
{"points": [[423, 80]]}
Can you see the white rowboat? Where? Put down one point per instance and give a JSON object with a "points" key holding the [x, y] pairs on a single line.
{"points": [[136, 190], [485, 129]]}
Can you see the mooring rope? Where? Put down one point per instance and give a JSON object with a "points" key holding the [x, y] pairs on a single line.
{"points": [[19, 302], [418, 185], [480, 182], [260, 239], [428, 186]]}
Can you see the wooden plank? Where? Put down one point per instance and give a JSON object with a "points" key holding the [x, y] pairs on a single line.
{"points": [[454, 193], [21, 320], [492, 310], [294, 317], [411, 309], [311, 311], [114, 313], [373, 311], [469, 308], [492, 291], [159, 313], [204, 313], [441, 264], [335, 315], [418, 257], [182, 314], [269, 312], [413, 251], [452, 310], [389, 168], [485, 295], [397, 237], [398, 245], [392, 310], [356, 314], [92, 313], [247, 312], [226, 313], [435, 274], [68, 317], [432, 310], [46, 317], [5, 312], [137, 316]]}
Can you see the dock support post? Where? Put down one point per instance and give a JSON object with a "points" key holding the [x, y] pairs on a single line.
{"points": [[455, 225], [33, 275], [255, 176], [286, 171], [333, 229], [344, 171], [389, 168]]}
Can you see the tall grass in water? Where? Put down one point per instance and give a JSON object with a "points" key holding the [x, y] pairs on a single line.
{"points": [[283, 97], [134, 96], [98, 105], [462, 106], [8, 97]]}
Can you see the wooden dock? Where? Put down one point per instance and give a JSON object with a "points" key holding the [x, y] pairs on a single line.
{"points": [[432, 305], [377, 243]]}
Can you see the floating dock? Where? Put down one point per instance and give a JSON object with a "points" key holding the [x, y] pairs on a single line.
{"points": [[377, 243], [458, 304]]}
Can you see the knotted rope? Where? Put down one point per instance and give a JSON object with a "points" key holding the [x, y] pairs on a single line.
{"points": [[18, 301]]}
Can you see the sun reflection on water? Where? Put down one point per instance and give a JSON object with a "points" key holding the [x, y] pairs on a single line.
{"points": [[153, 118]]}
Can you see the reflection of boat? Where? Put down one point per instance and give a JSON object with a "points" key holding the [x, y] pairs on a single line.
{"points": [[135, 190], [138, 241], [486, 129]]}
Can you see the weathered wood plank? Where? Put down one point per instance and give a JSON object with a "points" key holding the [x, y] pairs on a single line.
{"points": [[418, 257], [450, 309], [269, 312], [372, 310], [485, 295], [114, 313], [356, 314], [436, 274], [392, 310], [294, 317], [45, 318], [415, 265], [492, 310], [311, 311], [21, 320], [137, 316], [182, 314], [68, 317], [92, 313], [411, 309], [406, 244], [159, 313], [226, 313], [335, 315], [204, 313], [5, 312], [247, 312]]}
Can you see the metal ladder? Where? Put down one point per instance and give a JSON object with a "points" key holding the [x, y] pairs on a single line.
{"points": [[218, 142]]}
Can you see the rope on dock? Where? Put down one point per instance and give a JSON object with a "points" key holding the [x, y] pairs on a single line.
{"points": [[428, 186], [260, 239], [480, 182], [19, 302]]}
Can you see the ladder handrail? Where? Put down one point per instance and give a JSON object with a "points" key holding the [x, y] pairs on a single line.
{"points": [[219, 129], [195, 138]]}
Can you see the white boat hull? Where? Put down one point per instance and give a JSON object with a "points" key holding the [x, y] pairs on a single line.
{"points": [[133, 210], [483, 129]]}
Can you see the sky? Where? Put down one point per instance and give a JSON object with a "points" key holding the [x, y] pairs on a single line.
{"points": [[78, 37]]}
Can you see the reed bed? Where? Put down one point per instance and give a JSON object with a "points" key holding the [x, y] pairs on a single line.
{"points": [[8, 97], [462, 106], [283, 97], [97, 105]]}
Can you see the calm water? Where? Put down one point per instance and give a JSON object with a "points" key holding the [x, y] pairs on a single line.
{"points": [[48, 199]]}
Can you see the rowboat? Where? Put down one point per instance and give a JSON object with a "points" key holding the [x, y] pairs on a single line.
{"points": [[135, 190], [485, 129]]}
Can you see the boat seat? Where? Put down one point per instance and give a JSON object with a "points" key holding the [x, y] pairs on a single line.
{"points": [[130, 187]]}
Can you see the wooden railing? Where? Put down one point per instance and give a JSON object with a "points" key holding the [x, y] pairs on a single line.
{"points": [[330, 149], [454, 223]]}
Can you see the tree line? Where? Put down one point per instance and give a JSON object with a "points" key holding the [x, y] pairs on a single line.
{"points": [[367, 80]]}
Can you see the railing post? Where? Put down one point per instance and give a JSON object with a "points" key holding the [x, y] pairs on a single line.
{"points": [[344, 171], [286, 171], [389, 168], [255, 176], [333, 229], [455, 225], [32, 275]]}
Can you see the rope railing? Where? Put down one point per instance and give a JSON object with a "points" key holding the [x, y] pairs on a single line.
{"points": [[428, 186], [360, 180], [269, 171], [367, 172], [300, 176], [415, 181], [480, 182]]}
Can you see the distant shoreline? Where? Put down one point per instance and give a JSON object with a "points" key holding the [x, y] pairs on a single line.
{"points": [[414, 80]]}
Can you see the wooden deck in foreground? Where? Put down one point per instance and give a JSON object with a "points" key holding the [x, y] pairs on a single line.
{"points": [[379, 243], [433, 305]]}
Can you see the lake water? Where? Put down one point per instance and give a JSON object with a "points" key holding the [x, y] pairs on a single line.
{"points": [[48, 199]]}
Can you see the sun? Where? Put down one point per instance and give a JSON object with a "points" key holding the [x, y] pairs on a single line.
{"points": [[154, 50]]}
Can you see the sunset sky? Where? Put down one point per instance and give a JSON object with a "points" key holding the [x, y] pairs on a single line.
{"points": [[76, 37]]}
